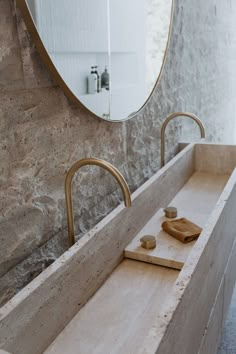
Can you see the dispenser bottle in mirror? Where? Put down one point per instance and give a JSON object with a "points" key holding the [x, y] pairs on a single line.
{"points": [[98, 78], [92, 82], [105, 79]]}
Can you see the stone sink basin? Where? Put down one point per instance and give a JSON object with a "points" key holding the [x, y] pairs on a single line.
{"points": [[107, 295]]}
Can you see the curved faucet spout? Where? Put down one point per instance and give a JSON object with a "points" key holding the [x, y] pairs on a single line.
{"points": [[68, 190], [168, 119]]}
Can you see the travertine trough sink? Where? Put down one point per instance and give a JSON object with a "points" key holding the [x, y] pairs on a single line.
{"points": [[93, 300]]}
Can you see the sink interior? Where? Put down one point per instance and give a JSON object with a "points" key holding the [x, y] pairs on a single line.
{"points": [[121, 312], [118, 316]]}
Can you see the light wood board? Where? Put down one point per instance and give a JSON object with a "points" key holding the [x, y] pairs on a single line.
{"points": [[195, 201]]}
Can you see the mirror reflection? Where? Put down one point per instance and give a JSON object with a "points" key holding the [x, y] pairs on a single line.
{"points": [[108, 52]]}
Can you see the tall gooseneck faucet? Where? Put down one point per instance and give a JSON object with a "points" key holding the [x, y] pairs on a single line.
{"points": [[168, 119], [68, 190]]}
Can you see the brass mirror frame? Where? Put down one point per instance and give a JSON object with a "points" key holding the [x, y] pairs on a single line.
{"points": [[30, 25]]}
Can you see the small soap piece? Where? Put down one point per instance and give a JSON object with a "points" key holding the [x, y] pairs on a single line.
{"points": [[182, 229], [148, 241], [170, 212]]}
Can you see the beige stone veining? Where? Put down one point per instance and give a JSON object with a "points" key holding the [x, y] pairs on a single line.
{"points": [[117, 318]]}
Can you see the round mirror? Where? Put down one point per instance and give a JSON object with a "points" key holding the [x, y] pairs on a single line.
{"points": [[106, 54]]}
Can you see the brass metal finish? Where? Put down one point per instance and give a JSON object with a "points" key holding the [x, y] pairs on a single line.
{"points": [[170, 212], [148, 241], [68, 190], [168, 119], [22, 5]]}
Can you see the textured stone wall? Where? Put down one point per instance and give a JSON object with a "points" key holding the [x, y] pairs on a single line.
{"points": [[42, 134]]}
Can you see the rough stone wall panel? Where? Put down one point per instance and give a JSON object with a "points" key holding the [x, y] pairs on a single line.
{"points": [[11, 73]]}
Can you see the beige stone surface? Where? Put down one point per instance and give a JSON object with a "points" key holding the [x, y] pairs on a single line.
{"points": [[214, 326], [75, 276], [217, 160], [200, 279], [213, 330], [118, 317], [11, 73]]}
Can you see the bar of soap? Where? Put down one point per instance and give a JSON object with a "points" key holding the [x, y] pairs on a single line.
{"points": [[182, 229]]}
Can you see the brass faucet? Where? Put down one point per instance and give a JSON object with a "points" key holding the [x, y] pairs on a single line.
{"points": [[68, 182], [168, 119]]}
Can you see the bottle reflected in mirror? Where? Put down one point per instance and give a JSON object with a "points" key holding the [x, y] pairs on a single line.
{"points": [[92, 82]]}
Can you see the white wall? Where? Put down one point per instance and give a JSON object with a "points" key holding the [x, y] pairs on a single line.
{"points": [[128, 38]]}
